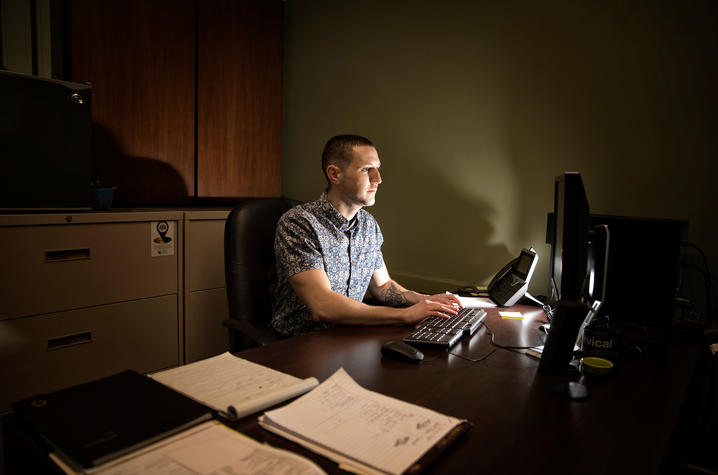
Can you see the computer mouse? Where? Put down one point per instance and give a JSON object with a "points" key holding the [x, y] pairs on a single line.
{"points": [[398, 350]]}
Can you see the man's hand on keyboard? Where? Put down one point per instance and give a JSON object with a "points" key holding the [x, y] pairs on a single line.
{"points": [[445, 332], [429, 307], [446, 298]]}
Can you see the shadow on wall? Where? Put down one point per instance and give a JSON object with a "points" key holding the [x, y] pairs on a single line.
{"points": [[138, 179], [435, 225]]}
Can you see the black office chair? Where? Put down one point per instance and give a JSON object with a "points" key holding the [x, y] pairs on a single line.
{"points": [[250, 273]]}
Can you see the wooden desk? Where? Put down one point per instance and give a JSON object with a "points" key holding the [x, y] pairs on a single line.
{"points": [[625, 426], [629, 417]]}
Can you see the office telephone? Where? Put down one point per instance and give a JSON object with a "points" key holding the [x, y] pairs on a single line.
{"points": [[512, 281]]}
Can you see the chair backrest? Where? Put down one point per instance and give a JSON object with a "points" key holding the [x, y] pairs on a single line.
{"points": [[250, 272]]}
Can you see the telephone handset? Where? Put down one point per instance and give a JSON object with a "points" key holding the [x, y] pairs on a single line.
{"points": [[512, 281]]}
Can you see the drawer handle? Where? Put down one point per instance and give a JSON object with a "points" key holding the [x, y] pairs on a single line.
{"points": [[69, 340], [67, 255]]}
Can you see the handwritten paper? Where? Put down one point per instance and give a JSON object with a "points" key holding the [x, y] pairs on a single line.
{"points": [[234, 386], [360, 429], [210, 448]]}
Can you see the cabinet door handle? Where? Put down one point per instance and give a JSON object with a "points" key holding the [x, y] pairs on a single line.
{"points": [[67, 255], [69, 340]]}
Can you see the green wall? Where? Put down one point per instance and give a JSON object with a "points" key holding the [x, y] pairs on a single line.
{"points": [[16, 36], [475, 107]]}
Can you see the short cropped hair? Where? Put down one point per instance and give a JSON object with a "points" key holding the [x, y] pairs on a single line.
{"points": [[339, 150]]}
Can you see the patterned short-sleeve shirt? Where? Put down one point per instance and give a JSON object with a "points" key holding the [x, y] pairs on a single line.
{"points": [[316, 236]]}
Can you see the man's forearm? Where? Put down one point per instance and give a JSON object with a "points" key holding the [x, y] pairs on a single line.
{"points": [[336, 308], [313, 288], [395, 295]]}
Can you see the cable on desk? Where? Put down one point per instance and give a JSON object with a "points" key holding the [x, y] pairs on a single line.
{"points": [[475, 360], [493, 342], [548, 311], [711, 295], [429, 360]]}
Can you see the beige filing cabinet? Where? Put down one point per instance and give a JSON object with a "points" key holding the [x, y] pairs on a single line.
{"points": [[85, 295], [205, 298]]}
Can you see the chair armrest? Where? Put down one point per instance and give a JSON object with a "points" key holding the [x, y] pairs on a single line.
{"points": [[258, 335]]}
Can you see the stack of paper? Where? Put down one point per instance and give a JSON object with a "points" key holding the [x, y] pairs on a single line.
{"points": [[209, 448], [234, 386], [362, 430]]}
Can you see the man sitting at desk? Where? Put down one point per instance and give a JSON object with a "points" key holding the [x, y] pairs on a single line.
{"points": [[329, 252]]}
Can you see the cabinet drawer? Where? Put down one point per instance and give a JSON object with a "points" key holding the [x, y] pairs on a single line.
{"points": [[48, 352], [205, 335], [205, 260], [59, 267]]}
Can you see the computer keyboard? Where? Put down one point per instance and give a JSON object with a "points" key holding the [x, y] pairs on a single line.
{"points": [[445, 332]]}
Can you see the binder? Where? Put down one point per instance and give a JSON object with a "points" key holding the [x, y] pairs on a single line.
{"points": [[89, 424]]}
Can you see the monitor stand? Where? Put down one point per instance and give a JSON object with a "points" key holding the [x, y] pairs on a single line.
{"points": [[559, 346], [557, 356]]}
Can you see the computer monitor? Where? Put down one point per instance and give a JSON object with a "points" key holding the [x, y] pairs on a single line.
{"points": [[642, 270], [568, 234]]}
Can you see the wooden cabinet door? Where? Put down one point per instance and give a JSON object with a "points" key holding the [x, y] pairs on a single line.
{"points": [[139, 56], [239, 102], [186, 96]]}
